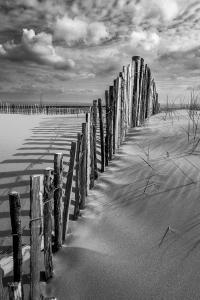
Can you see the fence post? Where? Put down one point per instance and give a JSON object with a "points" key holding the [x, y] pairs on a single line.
{"points": [[110, 140], [91, 153], [114, 115], [58, 170], [107, 128], [141, 75], [15, 213], [88, 121], [77, 180], [118, 113], [68, 189], [47, 217], [101, 135], [135, 90], [148, 93], [1, 284], [83, 174], [95, 137], [35, 235]]}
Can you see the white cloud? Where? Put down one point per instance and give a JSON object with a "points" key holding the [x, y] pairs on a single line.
{"points": [[37, 48], [168, 8], [144, 39], [76, 30]]}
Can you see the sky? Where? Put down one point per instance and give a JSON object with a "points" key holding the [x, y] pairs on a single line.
{"points": [[72, 50]]}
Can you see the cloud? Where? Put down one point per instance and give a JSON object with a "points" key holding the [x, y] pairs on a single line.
{"points": [[169, 9], [37, 48], [76, 30], [144, 39]]}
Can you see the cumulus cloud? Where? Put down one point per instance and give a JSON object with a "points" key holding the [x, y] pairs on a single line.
{"points": [[37, 48], [77, 30], [144, 39]]}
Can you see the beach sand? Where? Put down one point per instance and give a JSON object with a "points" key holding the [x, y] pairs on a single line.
{"points": [[138, 237]]}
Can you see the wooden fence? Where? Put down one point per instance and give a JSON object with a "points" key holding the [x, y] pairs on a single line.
{"points": [[32, 109], [128, 103]]}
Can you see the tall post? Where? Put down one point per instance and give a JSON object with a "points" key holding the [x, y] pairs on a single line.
{"points": [[77, 176], [36, 186], [88, 122], [136, 60], [95, 138], [68, 189], [141, 75], [110, 155], [47, 217], [147, 113], [101, 135], [118, 112], [114, 115], [58, 171], [107, 128], [83, 174], [15, 215]]}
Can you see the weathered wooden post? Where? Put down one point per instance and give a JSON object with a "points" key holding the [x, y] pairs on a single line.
{"points": [[77, 176], [107, 128], [15, 215], [110, 138], [68, 189], [88, 122], [95, 138], [143, 102], [83, 173], [36, 186], [47, 221], [136, 60], [118, 112], [101, 135], [141, 75], [91, 152], [58, 205], [148, 87], [114, 114], [1, 283]]}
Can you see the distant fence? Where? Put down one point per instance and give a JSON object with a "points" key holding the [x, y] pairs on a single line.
{"points": [[128, 103], [32, 109]]}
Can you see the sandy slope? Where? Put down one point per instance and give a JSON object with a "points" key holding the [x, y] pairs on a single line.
{"points": [[28, 144], [118, 249]]}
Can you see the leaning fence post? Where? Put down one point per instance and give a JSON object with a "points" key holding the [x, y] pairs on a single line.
{"points": [[77, 176], [95, 138], [15, 212], [88, 121], [135, 90], [83, 173], [101, 135], [110, 142], [68, 189], [35, 235], [1, 284], [47, 215], [58, 170], [107, 128]]}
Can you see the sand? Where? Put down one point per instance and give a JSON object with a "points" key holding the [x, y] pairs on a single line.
{"points": [[138, 237]]}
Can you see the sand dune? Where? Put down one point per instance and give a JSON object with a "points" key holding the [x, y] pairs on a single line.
{"points": [[139, 235]]}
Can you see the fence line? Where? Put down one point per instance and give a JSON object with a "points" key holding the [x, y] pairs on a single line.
{"points": [[32, 109], [128, 103]]}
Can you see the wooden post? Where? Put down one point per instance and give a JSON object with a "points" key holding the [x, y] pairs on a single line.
{"points": [[35, 235], [91, 154], [15, 212], [144, 90], [135, 90], [83, 173], [101, 135], [95, 138], [68, 189], [15, 291], [118, 113], [141, 75], [88, 121], [114, 114], [77, 180], [58, 170], [47, 217], [110, 139], [147, 113], [1, 284], [107, 128], [122, 108]]}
